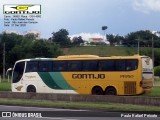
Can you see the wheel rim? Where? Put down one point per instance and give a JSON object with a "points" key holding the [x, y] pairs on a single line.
{"points": [[110, 91], [97, 91]]}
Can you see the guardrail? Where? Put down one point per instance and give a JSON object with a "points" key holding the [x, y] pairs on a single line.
{"points": [[136, 100]]}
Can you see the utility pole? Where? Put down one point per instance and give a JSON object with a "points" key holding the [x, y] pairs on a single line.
{"points": [[138, 49], [138, 45], [3, 61], [153, 50]]}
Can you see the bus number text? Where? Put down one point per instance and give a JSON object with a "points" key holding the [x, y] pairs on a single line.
{"points": [[126, 76]]}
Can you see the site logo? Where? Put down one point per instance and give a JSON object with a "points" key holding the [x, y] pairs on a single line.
{"points": [[22, 9]]}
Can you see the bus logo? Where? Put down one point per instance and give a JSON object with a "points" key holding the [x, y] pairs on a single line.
{"points": [[21, 9], [19, 88]]}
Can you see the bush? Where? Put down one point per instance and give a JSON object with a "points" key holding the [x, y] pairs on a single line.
{"points": [[157, 71]]}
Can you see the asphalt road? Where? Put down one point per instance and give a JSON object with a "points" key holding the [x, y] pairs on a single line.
{"points": [[37, 113]]}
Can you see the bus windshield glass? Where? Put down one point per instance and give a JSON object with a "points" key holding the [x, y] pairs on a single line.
{"points": [[18, 71]]}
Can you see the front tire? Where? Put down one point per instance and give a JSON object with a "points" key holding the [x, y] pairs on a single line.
{"points": [[31, 88]]}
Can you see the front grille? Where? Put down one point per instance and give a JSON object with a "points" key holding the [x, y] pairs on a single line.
{"points": [[129, 88]]}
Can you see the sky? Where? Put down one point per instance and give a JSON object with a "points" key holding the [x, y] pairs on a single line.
{"points": [[86, 17]]}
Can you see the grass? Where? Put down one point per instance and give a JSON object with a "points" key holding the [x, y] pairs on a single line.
{"points": [[106, 50], [100, 50], [157, 81], [80, 105], [155, 92], [5, 86]]}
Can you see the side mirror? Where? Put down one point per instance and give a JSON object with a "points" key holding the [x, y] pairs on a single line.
{"points": [[9, 71]]}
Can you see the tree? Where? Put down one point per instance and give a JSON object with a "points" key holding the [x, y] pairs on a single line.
{"points": [[115, 39], [77, 40], [40, 49], [21, 47], [31, 36], [144, 37], [61, 38]]}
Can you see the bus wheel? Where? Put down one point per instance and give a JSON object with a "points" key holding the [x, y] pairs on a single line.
{"points": [[31, 88], [97, 90], [110, 91]]}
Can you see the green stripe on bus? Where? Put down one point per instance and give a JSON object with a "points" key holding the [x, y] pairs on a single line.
{"points": [[55, 80]]}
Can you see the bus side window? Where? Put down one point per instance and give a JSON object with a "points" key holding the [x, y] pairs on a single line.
{"points": [[74, 66], [120, 65], [59, 66], [32, 66], [131, 64], [106, 65], [89, 65], [45, 66]]}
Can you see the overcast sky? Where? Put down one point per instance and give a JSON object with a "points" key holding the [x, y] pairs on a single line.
{"points": [[86, 17]]}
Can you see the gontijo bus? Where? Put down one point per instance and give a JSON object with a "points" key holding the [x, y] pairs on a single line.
{"points": [[84, 74]]}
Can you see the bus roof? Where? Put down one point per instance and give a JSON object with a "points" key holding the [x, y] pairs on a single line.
{"points": [[35, 59], [74, 57], [77, 56], [81, 57]]}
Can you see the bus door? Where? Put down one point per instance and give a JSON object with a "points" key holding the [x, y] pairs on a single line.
{"points": [[147, 73]]}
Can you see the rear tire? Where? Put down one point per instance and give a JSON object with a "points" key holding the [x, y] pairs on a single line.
{"points": [[110, 91], [31, 88], [97, 90]]}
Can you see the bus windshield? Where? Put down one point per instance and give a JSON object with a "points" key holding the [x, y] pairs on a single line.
{"points": [[18, 71]]}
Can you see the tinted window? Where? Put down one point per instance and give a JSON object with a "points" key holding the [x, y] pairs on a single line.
{"points": [[18, 71], [89, 65], [32, 66], [59, 65], [131, 64], [45, 66], [120, 65], [106, 65], [74, 65]]}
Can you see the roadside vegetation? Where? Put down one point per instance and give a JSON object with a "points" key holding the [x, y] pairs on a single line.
{"points": [[80, 105], [5, 85]]}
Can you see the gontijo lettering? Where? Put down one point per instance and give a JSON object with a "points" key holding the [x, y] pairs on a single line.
{"points": [[88, 76], [22, 9]]}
